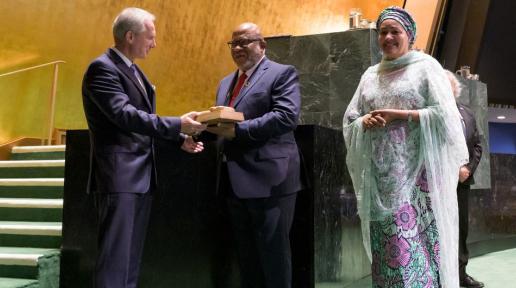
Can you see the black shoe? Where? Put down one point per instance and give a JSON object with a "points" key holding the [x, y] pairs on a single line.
{"points": [[469, 282]]}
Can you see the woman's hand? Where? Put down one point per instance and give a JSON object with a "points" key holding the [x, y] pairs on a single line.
{"points": [[387, 115], [369, 121], [382, 117]]}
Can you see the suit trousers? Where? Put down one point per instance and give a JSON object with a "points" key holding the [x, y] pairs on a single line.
{"points": [[462, 199], [123, 220], [261, 227]]}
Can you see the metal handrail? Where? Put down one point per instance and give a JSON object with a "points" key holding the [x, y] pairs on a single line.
{"points": [[52, 100], [32, 68]]}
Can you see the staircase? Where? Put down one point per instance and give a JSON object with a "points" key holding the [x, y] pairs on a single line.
{"points": [[31, 203]]}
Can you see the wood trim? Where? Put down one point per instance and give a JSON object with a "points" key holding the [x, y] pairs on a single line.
{"points": [[5, 148], [436, 27]]}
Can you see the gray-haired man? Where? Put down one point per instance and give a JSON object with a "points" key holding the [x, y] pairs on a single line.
{"points": [[119, 103]]}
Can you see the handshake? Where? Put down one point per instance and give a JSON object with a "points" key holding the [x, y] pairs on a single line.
{"points": [[189, 124], [191, 127], [219, 120]]}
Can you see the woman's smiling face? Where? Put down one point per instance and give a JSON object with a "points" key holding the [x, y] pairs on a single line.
{"points": [[393, 39]]}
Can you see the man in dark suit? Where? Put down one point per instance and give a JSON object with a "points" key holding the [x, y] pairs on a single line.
{"points": [[260, 169], [466, 179], [119, 103]]}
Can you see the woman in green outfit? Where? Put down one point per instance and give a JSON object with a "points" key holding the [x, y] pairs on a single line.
{"points": [[405, 146]]}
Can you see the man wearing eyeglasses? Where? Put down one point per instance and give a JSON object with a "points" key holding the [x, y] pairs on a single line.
{"points": [[260, 166]]}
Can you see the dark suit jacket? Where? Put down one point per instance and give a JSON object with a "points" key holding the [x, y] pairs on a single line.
{"points": [[122, 125], [263, 158], [472, 141]]}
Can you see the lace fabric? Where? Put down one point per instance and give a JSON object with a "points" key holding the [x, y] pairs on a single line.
{"points": [[385, 164]]}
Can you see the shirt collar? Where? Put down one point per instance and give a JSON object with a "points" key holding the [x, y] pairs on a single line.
{"points": [[126, 60]]}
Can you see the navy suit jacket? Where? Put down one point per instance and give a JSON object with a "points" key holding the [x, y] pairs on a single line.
{"points": [[263, 158], [122, 123], [472, 141]]}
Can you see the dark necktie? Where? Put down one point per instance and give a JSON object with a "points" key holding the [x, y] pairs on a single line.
{"points": [[238, 87], [137, 75]]}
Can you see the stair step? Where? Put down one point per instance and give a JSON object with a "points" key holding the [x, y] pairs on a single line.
{"points": [[18, 283], [17, 170], [31, 263], [31, 228], [38, 149], [38, 152], [35, 241], [24, 256], [31, 209], [32, 182], [31, 206], [30, 203], [32, 163], [49, 192]]}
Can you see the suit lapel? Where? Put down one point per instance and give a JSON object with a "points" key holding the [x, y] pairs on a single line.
{"points": [[258, 73], [120, 64]]}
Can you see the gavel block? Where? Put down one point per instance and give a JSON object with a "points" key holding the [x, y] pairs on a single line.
{"points": [[220, 114]]}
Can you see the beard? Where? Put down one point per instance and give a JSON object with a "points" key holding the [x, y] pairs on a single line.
{"points": [[249, 62]]}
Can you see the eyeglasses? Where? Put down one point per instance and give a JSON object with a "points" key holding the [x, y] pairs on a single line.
{"points": [[243, 43]]}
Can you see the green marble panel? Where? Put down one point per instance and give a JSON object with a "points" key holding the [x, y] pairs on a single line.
{"points": [[321, 118], [310, 55], [329, 66], [355, 263], [351, 54], [278, 48], [474, 95]]}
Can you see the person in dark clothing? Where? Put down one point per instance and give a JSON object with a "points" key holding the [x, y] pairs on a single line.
{"points": [[466, 179]]}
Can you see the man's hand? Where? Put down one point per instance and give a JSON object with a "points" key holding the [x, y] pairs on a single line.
{"points": [[191, 146], [189, 126], [226, 130], [464, 174]]}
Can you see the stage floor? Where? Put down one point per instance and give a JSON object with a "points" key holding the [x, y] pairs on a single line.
{"points": [[495, 269]]}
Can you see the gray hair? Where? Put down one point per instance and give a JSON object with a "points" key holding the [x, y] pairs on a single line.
{"points": [[455, 84], [130, 19]]}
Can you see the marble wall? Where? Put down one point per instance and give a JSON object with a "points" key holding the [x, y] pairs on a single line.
{"points": [[337, 254], [329, 66], [492, 213]]}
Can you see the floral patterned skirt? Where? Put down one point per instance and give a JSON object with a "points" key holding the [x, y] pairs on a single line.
{"points": [[405, 246]]}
